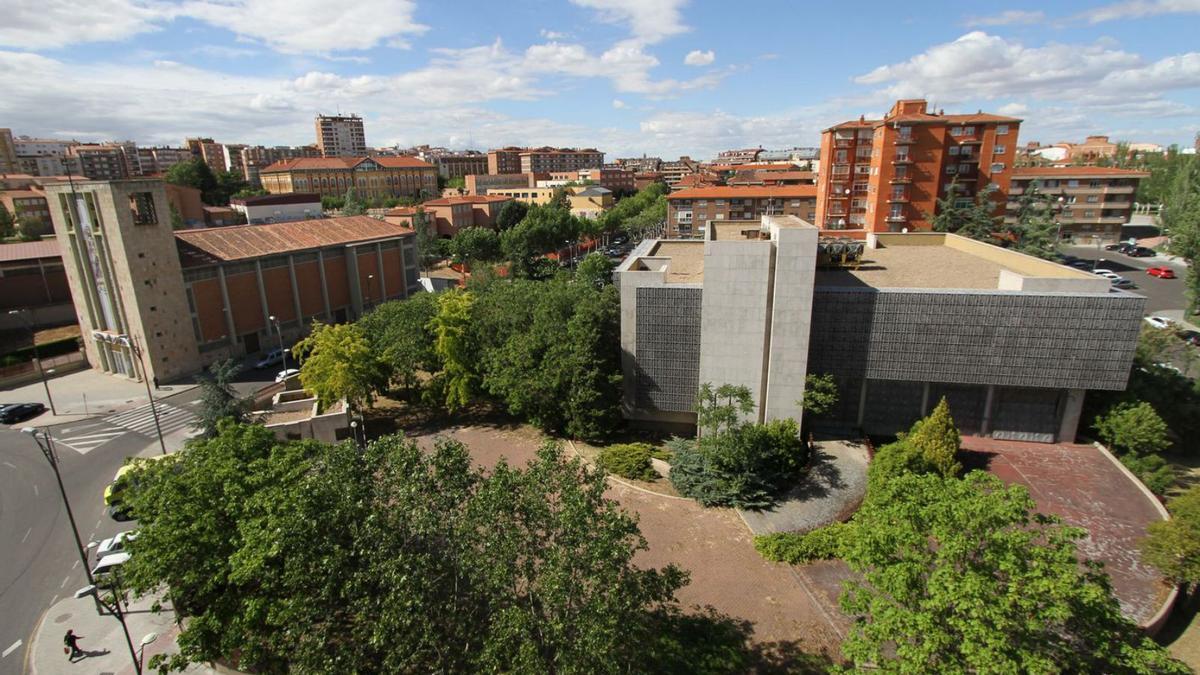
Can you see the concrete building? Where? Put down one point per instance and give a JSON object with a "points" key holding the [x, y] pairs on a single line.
{"points": [[213, 155], [231, 153], [690, 210], [195, 145], [370, 177], [8, 153], [504, 160], [279, 208], [460, 164], [619, 180], [192, 297], [1091, 202], [255, 158], [887, 175], [103, 161], [641, 164], [156, 161], [590, 201], [479, 184], [45, 156], [673, 171], [341, 136], [744, 156], [899, 321]]}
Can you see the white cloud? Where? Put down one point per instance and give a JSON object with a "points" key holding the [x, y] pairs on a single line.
{"points": [[1008, 18], [618, 103], [289, 26], [699, 58], [650, 21], [626, 64], [554, 35], [1013, 109], [225, 52], [1136, 9]]}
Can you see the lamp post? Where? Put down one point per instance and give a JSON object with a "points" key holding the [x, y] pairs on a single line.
{"points": [[279, 331], [370, 289], [146, 640], [48, 452], [115, 609], [132, 346], [36, 359]]}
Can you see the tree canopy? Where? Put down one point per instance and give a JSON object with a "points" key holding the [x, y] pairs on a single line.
{"points": [[218, 400], [511, 213], [1173, 546], [195, 173], [542, 230], [476, 244], [336, 362], [1133, 427], [401, 338]]}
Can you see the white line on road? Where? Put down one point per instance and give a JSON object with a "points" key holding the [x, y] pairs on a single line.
{"points": [[64, 583], [54, 599], [11, 649], [27, 533], [98, 524], [36, 493], [74, 565], [10, 465]]}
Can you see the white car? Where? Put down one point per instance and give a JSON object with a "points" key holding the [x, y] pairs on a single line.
{"points": [[285, 374], [103, 572], [1108, 274], [114, 544], [1159, 322]]}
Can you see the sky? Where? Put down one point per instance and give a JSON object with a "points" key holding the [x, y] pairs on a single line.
{"points": [[630, 77]]}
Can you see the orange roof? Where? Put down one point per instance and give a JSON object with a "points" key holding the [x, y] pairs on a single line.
{"points": [[747, 192], [30, 250], [787, 175], [401, 211], [467, 199], [242, 242], [785, 166], [314, 163], [1069, 171], [927, 118]]}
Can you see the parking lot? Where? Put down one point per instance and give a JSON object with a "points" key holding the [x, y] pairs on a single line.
{"points": [[1160, 293]]}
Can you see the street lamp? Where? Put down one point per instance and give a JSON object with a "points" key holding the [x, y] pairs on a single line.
{"points": [[146, 640], [48, 452], [132, 346], [36, 359], [279, 331], [370, 287], [115, 609]]}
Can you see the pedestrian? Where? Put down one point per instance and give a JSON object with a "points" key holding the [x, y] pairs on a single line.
{"points": [[71, 640], [156, 382]]}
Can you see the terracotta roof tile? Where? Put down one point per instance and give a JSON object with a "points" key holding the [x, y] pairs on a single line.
{"points": [[1069, 171], [30, 250], [747, 192], [244, 242]]}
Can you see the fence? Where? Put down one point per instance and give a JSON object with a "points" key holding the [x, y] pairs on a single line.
{"points": [[28, 370]]}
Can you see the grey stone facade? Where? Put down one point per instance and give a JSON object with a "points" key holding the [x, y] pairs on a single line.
{"points": [[667, 373]]}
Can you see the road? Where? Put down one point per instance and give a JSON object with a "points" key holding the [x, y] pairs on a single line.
{"points": [[39, 563], [1160, 293]]}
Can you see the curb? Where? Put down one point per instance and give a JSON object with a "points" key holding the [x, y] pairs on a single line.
{"points": [[621, 481], [1156, 622]]}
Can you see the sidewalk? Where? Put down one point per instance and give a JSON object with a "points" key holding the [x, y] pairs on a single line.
{"points": [[101, 638], [85, 393]]}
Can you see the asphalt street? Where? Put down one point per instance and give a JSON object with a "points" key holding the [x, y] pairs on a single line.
{"points": [[39, 563], [1160, 293]]}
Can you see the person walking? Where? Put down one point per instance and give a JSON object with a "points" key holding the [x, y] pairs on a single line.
{"points": [[71, 640]]}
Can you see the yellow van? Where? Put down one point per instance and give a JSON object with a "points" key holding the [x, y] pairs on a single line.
{"points": [[114, 494]]}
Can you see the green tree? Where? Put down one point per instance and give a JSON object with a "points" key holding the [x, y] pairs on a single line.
{"points": [[430, 248], [176, 219], [510, 214], [1173, 546], [476, 244], [400, 336], [352, 204], [230, 183], [1035, 230], [722, 408], [544, 229], [330, 203], [337, 362], [457, 183], [6, 223], [820, 394], [595, 270], [458, 378], [937, 439], [195, 173], [747, 466], [218, 400], [973, 217], [964, 576], [1133, 427]]}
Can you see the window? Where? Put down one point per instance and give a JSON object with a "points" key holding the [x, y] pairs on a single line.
{"points": [[865, 134], [1094, 183], [1092, 199], [998, 167], [905, 133], [951, 169], [795, 202], [863, 152], [966, 151], [141, 205], [1001, 129], [999, 150], [1072, 183], [962, 202], [1089, 214], [840, 156], [968, 131], [858, 203], [954, 150], [702, 202], [901, 172], [862, 169], [964, 167], [956, 131]]}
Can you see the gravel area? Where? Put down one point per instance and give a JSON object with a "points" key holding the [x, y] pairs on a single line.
{"points": [[831, 492]]}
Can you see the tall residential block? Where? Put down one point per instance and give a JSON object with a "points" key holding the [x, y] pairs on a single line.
{"points": [[887, 175], [8, 153], [1088, 202], [341, 136]]}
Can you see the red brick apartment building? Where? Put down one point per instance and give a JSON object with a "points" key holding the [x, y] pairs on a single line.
{"points": [[1090, 202], [370, 176], [887, 175], [451, 214], [543, 160], [689, 210]]}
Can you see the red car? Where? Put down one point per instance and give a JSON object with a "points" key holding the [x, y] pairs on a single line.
{"points": [[1161, 272]]}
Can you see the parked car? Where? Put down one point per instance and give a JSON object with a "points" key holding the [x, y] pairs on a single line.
{"points": [[1190, 336], [106, 569], [285, 374], [114, 494], [273, 358], [1081, 264], [1108, 274], [114, 544], [1122, 282], [12, 413], [1140, 252], [1159, 321], [1115, 247], [1161, 272]]}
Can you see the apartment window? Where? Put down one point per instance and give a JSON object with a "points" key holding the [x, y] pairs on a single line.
{"points": [[905, 133], [863, 152], [720, 202], [902, 155], [999, 150], [865, 134], [956, 131], [843, 135], [901, 172], [858, 203], [840, 156], [141, 205], [1089, 214], [962, 202], [795, 203], [860, 188], [897, 211], [1094, 183], [998, 167], [951, 169], [838, 188], [1001, 129], [968, 131], [1072, 183], [954, 149], [841, 169], [1092, 199], [897, 192], [862, 169], [702, 202], [966, 151], [965, 167]]}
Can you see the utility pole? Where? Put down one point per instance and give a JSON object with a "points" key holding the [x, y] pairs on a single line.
{"points": [[134, 347]]}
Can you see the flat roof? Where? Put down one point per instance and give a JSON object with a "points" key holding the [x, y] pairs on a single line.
{"points": [[1077, 171], [687, 260], [747, 192]]}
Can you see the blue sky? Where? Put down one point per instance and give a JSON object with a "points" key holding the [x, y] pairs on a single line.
{"points": [[665, 77]]}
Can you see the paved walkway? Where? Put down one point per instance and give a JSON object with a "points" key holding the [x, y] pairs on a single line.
{"points": [[85, 393], [101, 638], [831, 492]]}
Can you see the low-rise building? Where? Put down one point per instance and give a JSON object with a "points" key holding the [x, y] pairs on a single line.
{"points": [[1090, 202], [899, 321], [369, 177], [590, 201], [673, 171], [279, 208], [32, 277], [743, 156], [460, 164], [479, 184], [451, 214], [616, 179], [690, 210], [192, 297], [529, 195], [644, 180]]}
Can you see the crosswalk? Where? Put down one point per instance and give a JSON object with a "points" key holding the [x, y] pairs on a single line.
{"points": [[88, 436]]}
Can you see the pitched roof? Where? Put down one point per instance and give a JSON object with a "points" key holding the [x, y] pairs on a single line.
{"points": [[593, 191], [1071, 171], [30, 250], [315, 163], [243, 242], [747, 192]]}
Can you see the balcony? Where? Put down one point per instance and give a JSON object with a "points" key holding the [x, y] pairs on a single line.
{"points": [[905, 140], [843, 142], [898, 198], [902, 159], [969, 140], [968, 158], [896, 219], [900, 180]]}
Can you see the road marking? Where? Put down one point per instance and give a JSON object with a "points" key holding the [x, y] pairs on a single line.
{"points": [[98, 524], [27, 533], [75, 565], [54, 599], [64, 583], [10, 465], [36, 493], [11, 649]]}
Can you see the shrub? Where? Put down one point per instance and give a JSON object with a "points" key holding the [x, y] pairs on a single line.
{"points": [[1133, 427], [746, 466], [894, 460], [937, 438], [1151, 470], [628, 460], [798, 548]]}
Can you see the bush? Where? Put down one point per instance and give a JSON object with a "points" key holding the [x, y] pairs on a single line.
{"points": [[798, 548], [746, 466], [628, 460], [1151, 470], [894, 460], [1133, 427], [937, 438]]}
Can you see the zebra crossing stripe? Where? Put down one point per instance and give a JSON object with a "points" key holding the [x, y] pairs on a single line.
{"points": [[141, 419]]}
